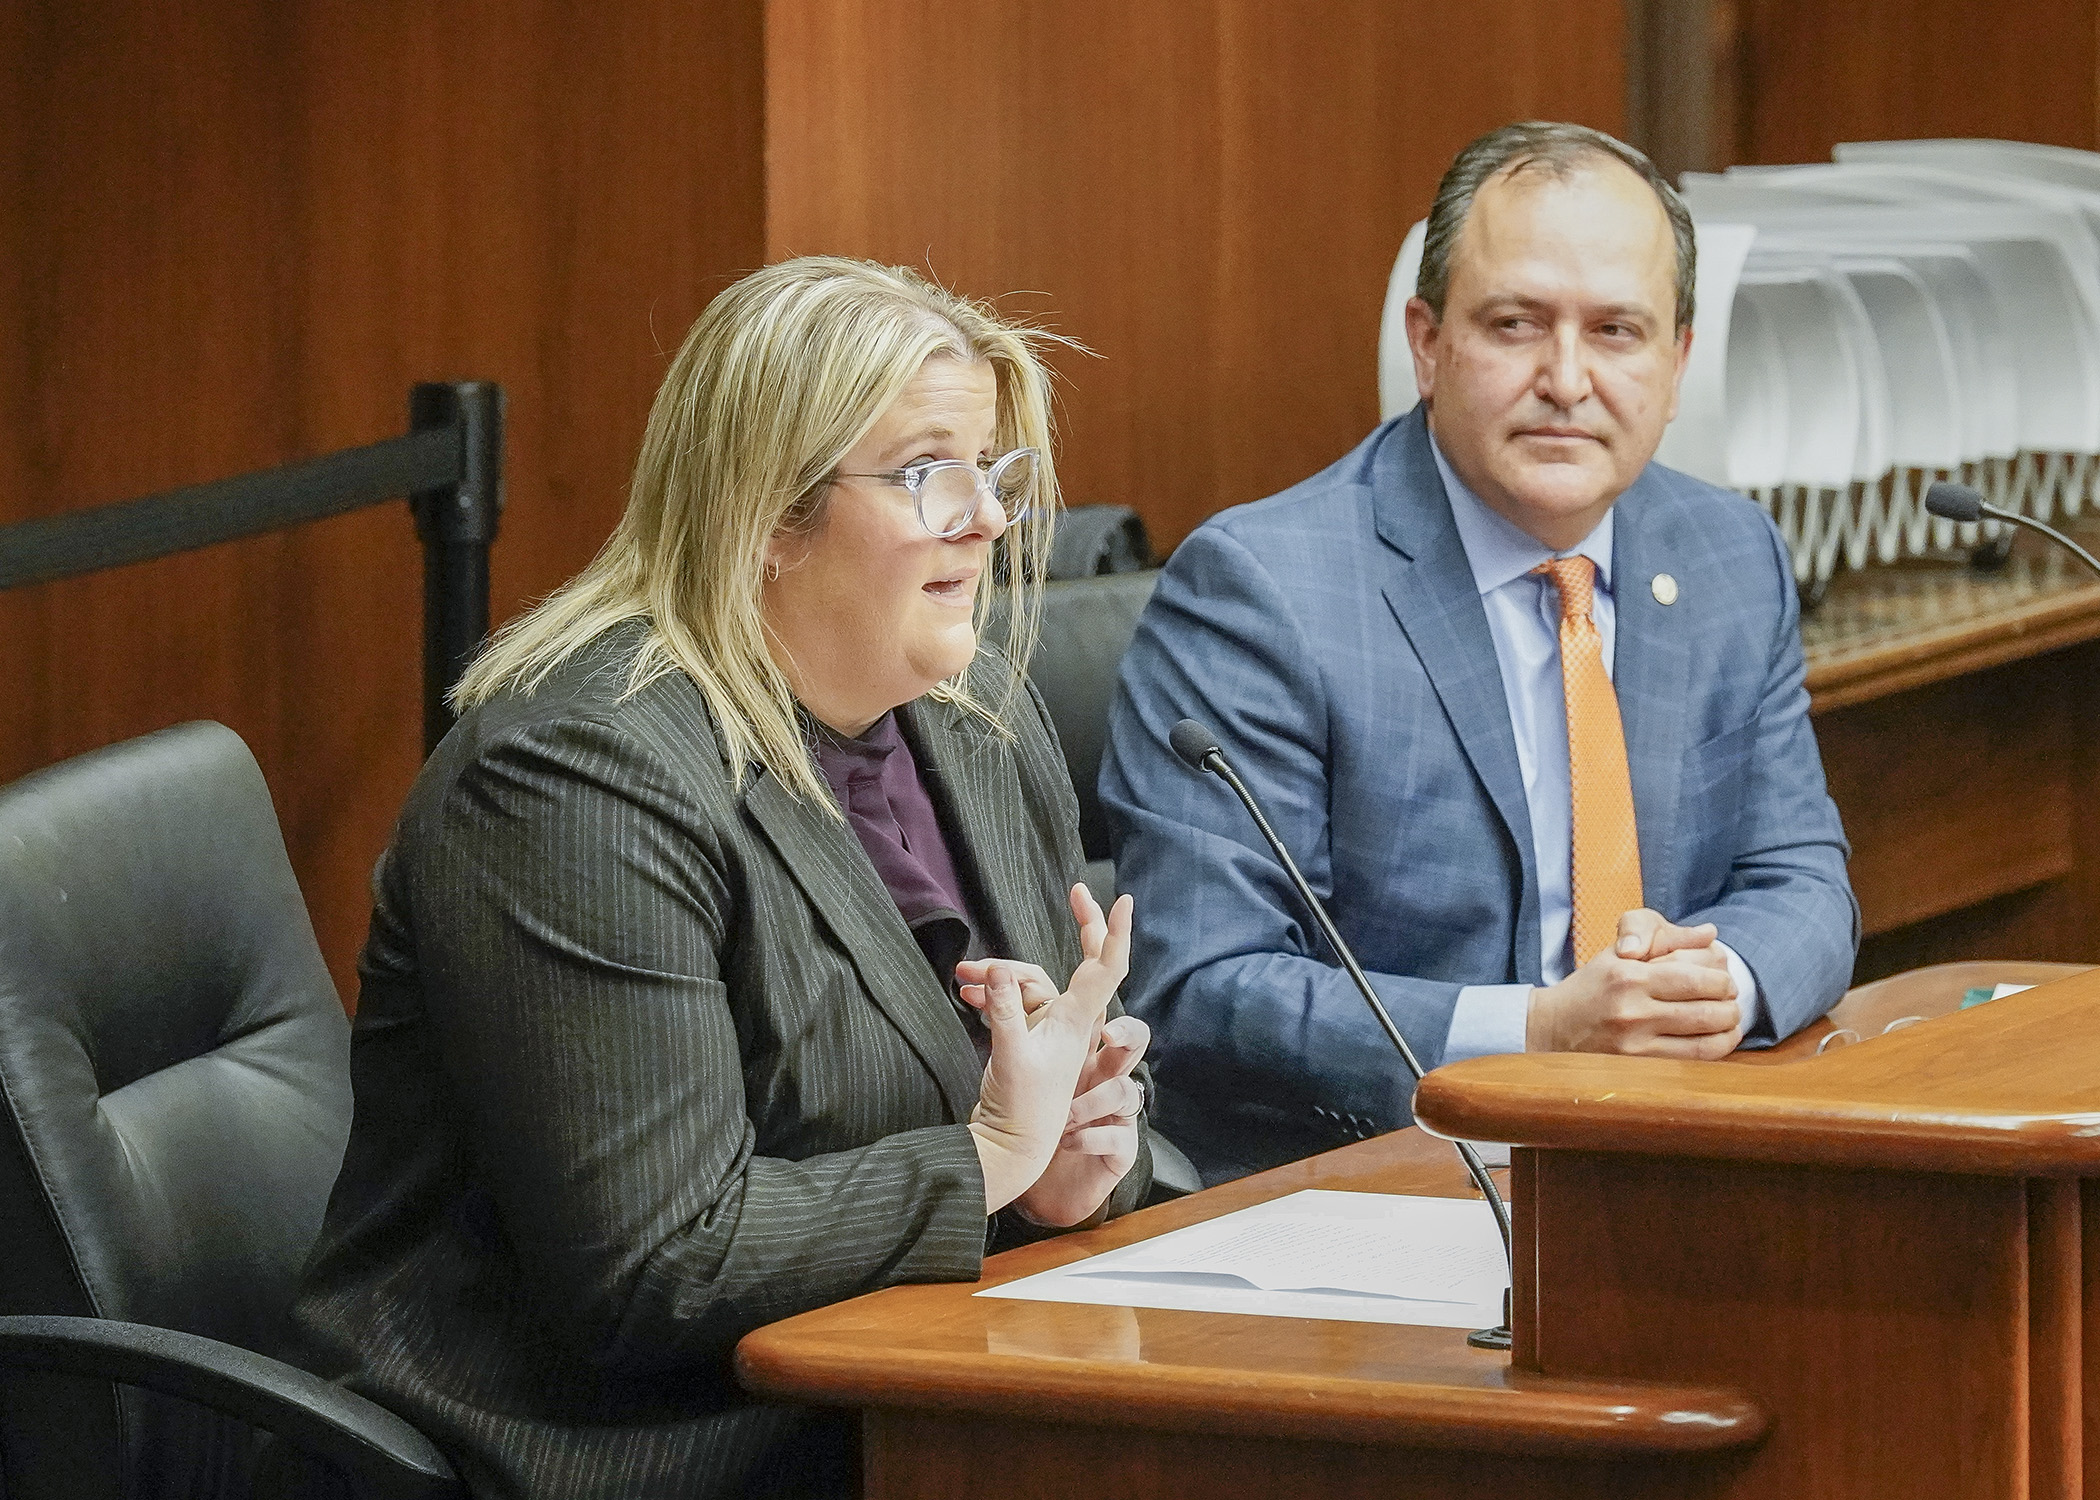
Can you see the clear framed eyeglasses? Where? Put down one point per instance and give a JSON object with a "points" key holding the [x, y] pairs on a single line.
{"points": [[947, 491]]}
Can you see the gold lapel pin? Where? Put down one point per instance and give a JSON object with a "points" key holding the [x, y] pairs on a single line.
{"points": [[1664, 587]]}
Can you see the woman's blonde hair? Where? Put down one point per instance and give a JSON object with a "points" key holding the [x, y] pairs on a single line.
{"points": [[782, 374]]}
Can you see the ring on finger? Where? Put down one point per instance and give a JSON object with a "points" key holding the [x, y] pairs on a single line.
{"points": [[1137, 1087]]}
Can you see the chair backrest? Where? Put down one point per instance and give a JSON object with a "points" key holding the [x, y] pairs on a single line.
{"points": [[174, 1060], [1094, 539], [1086, 627]]}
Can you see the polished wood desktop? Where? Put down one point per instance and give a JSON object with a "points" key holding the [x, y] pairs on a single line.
{"points": [[1860, 1273], [1056, 1399]]}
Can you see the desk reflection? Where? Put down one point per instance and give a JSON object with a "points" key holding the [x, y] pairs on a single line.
{"points": [[1058, 1330]]}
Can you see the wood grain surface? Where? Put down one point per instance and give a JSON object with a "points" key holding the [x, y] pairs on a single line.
{"points": [[1905, 1331], [2089, 1333], [917, 1456], [939, 1349], [1950, 799], [1827, 1292], [2056, 1336], [1953, 709], [1813, 74], [1873, 1009], [2006, 1088], [1210, 197], [1885, 630], [235, 234], [1881, 1316]]}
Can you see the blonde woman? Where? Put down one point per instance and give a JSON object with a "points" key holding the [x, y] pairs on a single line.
{"points": [[729, 959]]}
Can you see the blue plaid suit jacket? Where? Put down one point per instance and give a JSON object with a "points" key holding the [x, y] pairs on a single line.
{"points": [[1333, 639]]}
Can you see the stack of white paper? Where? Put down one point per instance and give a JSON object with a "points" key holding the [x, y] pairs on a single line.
{"points": [[1357, 1257]]}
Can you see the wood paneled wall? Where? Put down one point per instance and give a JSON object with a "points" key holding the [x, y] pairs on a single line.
{"points": [[234, 234], [1207, 195], [1816, 72]]}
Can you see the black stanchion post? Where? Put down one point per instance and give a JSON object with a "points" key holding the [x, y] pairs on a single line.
{"points": [[457, 524]]}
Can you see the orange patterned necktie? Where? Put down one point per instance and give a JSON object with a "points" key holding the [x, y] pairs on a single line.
{"points": [[1607, 873]]}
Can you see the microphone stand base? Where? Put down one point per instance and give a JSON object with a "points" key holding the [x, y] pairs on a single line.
{"points": [[1490, 1338], [1993, 555]]}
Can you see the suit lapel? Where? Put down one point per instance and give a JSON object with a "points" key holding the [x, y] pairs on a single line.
{"points": [[1431, 593], [975, 784], [834, 872], [1650, 672]]}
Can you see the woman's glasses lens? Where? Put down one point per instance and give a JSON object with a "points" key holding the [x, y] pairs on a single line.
{"points": [[948, 494], [948, 498], [1013, 481]]}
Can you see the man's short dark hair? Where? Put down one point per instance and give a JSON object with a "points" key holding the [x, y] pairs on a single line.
{"points": [[1559, 150]]}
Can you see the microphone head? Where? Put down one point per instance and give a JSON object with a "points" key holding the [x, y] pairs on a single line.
{"points": [[1193, 743], [1954, 502]]}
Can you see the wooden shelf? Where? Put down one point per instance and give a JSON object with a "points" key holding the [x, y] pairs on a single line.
{"points": [[1886, 629]]}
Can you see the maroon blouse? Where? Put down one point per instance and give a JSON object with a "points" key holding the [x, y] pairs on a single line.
{"points": [[877, 782]]}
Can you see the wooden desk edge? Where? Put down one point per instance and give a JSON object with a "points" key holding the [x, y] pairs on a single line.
{"points": [[1882, 1104], [1529, 1415], [927, 1349], [1840, 679], [1750, 1130]]}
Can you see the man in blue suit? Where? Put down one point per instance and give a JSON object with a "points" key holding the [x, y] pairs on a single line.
{"points": [[1393, 654]]}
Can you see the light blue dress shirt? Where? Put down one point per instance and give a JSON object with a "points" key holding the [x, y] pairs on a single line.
{"points": [[1523, 614]]}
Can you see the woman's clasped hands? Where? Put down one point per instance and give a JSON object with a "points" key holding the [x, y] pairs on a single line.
{"points": [[1056, 1118]]}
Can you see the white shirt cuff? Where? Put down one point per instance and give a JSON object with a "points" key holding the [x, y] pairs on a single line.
{"points": [[1490, 1019], [1746, 995]]}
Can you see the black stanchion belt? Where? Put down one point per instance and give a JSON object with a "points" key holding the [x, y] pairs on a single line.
{"points": [[202, 515]]}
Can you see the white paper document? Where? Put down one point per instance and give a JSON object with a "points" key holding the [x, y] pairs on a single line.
{"points": [[1357, 1257]]}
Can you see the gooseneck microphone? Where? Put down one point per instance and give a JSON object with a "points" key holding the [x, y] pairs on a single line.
{"points": [[1199, 748], [1958, 502]]}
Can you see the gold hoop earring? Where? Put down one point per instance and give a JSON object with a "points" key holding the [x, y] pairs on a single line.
{"points": [[772, 571]]}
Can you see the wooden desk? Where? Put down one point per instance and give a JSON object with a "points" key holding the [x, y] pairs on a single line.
{"points": [[1871, 1009], [1894, 1247], [1865, 1274], [965, 1395], [1959, 718]]}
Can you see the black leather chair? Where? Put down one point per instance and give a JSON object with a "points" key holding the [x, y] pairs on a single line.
{"points": [[1086, 627], [175, 1069], [1095, 539]]}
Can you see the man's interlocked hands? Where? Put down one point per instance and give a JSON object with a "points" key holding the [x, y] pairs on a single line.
{"points": [[1659, 991]]}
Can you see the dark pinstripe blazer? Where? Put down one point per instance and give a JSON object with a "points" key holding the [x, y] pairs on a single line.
{"points": [[643, 1061]]}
